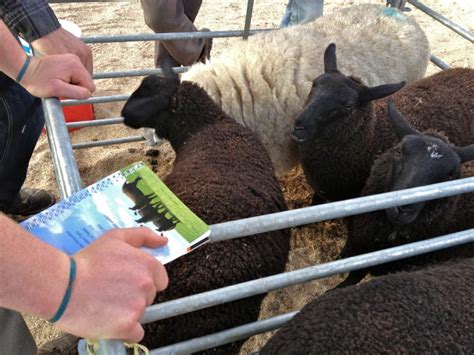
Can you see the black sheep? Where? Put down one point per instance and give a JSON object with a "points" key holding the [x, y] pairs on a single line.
{"points": [[222, 172], [341, 130], [419, 159], [419, 312], [131, 190]]}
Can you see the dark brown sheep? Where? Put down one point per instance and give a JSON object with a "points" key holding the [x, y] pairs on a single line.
{"points": [[342, 129], [425, 311], [222, 172], [419, 159]]}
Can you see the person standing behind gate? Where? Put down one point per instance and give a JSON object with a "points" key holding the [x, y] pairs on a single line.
{"points": [[301, 11], [176, 16]]}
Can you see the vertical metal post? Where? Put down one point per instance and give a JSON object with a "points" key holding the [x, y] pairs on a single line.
{"points": [[68, 178], [248, 19], [65, 166]]}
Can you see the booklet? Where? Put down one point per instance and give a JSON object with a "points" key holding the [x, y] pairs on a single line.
{"points": [[131, 197]]}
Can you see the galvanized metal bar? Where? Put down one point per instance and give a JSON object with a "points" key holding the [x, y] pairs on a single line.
{"points": [[439, 62], [108, 142], [95, 123], [65, 166], [170, 36], [105, 347], [130, 73], [445, 21], [96, 100], [225, 337], [263, 285], [248, 19], [293, 218]]}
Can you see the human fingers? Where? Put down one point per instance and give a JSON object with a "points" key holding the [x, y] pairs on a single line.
{"points": [[88, 60], [142, 237], [135, 334], [161, 278], [82, 50], [81, 77], [58, 75], [84, 53], [68, 91]]}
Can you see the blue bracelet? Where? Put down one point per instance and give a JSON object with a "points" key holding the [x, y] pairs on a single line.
{"points": [[67, 295], [23, 69]]}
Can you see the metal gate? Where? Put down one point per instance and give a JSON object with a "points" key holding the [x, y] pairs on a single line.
{"points": [[69, 182]]}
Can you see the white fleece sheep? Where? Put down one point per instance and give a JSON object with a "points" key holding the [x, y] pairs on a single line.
{"points": [[264, 81]]}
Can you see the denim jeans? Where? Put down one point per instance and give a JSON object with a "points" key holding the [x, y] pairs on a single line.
{"points": [[21, 121], [301, 11]]}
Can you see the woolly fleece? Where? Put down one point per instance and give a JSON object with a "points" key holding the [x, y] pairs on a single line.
{"points": [[427, 311], [263, 82], [222, 172]]}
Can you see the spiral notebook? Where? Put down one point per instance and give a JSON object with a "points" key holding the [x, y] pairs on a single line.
{"points": [[131, 197]]}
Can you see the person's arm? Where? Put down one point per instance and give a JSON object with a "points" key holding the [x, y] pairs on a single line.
{"points": [[13, 56], [48, 76], [38, 25], [115, 280]]}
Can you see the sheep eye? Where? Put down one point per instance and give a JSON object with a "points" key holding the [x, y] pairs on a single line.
{"points": [[397, 153], [348, 107]]}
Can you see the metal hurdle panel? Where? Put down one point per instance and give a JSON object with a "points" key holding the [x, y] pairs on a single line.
{"points": [[69, 181]]}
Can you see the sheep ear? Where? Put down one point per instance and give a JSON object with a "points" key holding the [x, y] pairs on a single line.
{"points": [[377, 92], [465, 153], [168, 71], [400, 125], [330, 60]]}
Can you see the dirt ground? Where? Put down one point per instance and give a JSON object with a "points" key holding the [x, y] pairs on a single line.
{"points": [[311, 244]]}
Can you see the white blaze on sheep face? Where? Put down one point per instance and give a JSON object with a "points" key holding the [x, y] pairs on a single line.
{"points": [[434, 153]]}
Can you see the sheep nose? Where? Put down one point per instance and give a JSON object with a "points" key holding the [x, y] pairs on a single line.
{"points": [[399, 210], [298, 127], [299, 133], [404, 210]]}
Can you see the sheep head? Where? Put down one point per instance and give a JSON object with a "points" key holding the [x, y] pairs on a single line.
{"points": [[150, 105], [333, 98], [420, 159]]}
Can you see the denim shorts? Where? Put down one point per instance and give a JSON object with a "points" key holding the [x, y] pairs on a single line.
{"points": [[21, 121]]}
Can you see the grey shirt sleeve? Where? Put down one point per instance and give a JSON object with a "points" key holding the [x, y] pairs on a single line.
{"points": [[32, 19]]}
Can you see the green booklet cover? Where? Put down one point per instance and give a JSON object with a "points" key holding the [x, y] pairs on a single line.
{"points": [[131, 197]]}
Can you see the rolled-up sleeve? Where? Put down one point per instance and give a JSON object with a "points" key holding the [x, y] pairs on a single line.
{"points": [[32, 19]]}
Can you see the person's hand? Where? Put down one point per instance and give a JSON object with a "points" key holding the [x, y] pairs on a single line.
{"points": [[63, 42], [114, 283], [58, 75]]}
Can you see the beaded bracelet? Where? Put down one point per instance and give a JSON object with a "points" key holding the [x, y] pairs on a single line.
{"points": [[23, 69], [67, 295]]}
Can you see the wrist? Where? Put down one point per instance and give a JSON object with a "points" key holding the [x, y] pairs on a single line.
{"points": [[26, 77], [34, 275], [23, 69], [58, 285], [67, 295]]}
